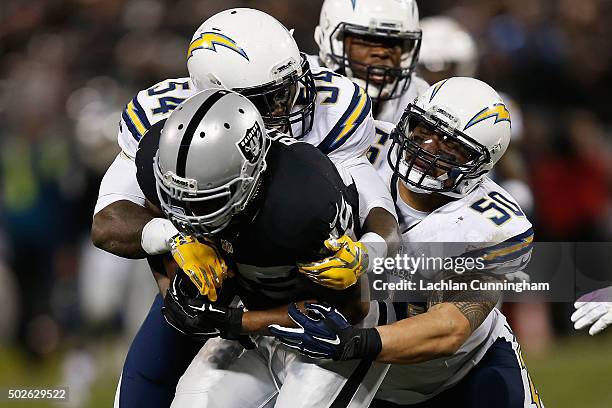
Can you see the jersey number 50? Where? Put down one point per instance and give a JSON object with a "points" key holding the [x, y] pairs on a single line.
{"points": [[499, 207]]}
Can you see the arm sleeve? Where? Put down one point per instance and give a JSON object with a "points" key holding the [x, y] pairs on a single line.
{"points": [[372, 190], [353, 132], [119, 183]]}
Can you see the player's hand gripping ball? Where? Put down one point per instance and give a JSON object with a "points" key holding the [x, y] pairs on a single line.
{"points": [[340, 270], [201, 262]]}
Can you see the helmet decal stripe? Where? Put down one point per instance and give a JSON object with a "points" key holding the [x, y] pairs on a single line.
{"points": [[181, 161], [354, 3], [209, 40], [436, 89], [497, 111]]}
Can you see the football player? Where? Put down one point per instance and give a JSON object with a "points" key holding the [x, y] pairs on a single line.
{"points": [[315, 105], [321, 108], [267, 203], [445, 144], [376, 43]]}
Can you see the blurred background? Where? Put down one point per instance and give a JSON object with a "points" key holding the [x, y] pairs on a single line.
{"points": [[67, 69]]}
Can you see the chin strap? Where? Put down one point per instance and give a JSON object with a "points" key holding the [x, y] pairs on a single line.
{"points": [[394, 180]]}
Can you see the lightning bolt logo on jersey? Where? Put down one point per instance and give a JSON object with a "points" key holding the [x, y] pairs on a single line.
{"points": [[209, 41]]}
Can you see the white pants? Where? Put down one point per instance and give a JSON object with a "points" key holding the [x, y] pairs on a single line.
{"points": [[223, 375]]}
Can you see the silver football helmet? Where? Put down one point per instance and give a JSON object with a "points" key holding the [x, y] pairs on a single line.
{"points": [[211, 155]]}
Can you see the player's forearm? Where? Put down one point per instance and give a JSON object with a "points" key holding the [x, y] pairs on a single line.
{"points": [[382, 223], [118, 229], [439, 332], [257, 321]]}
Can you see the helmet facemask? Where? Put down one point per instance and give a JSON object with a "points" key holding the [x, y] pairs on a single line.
{"points": [[205, 211], [429, 154], [286, 105], [382, 82]]}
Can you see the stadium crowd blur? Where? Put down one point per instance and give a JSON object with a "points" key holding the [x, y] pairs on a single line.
{"points": [[68, 67]]}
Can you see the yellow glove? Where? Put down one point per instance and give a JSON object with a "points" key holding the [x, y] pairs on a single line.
{"points": [[340, 270], [201, 262]]}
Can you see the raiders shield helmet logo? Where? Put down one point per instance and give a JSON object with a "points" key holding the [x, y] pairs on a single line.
{"points": [[251, 144]]}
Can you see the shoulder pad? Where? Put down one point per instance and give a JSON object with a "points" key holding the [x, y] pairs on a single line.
{"points": [[343, 116], [148, 107]]}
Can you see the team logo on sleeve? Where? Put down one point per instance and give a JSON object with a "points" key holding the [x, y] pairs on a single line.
{"points": [[251, 144], [209, 41]]}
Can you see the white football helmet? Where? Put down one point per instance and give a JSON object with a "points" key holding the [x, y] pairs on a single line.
{"points": [[211, 155], [447, 48], [394, 21], [463, 130], [252, 53]]}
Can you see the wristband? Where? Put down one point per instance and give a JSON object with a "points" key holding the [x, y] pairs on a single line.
{"points": [[371, 344], [156, 236], [234, 324], [376, 247], [363, 344]]}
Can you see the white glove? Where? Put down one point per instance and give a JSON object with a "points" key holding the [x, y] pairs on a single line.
{"points": [[157, 236], [594, 309]]}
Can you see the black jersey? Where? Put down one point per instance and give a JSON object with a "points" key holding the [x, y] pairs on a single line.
{"points": [[302, 199]]}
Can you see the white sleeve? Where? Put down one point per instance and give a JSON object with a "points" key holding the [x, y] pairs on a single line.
{"points": [[372, 190], [349, 126], [119, 183], [358, 143], [133, 124]]}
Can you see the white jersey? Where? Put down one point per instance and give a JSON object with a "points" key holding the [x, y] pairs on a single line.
{"points": [[389, 111], [392, 110], [485, 223], [343, 127]]}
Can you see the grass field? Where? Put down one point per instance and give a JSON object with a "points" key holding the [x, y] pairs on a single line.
{"points": [[575, 373]]}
